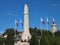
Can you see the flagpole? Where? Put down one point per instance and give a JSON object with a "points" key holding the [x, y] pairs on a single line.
{"points": [[15, 33], [47, 27], [47, 23], [41, 32], [20, 24], [41, 28], [15, 30], [20, 27], [16, 24]]}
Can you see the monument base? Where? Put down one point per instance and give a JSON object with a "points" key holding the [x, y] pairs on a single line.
{"points": [[21, 43]]}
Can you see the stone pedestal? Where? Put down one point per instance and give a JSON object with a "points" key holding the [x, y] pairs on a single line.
{"points": [[21, 43]]}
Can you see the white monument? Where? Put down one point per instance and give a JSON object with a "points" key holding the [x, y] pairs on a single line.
{"points": [[26, 34], [54, 27]]}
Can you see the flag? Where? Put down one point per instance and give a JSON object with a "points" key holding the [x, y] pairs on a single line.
{"points": [[21, 22], [16, 23], [53, 21], [42, 21], [47, 20]]}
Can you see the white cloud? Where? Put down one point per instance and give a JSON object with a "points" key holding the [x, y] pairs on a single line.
{"points": [[1, 31], [54, 5], [11, 14]]}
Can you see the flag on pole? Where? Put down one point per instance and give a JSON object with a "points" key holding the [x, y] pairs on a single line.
{"points": [[21, 22], [53, 21], [47, 20], [42, 21], [16, 23]]}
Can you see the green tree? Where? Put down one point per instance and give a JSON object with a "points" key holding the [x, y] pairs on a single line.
{"points": [[1, 41], [10, 37], [34, 40], [44, 40]]}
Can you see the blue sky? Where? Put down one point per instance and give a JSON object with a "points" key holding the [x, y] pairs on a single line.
{"points": [[14, 9]]}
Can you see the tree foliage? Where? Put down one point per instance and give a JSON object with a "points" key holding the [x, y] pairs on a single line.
{"points": [[47, 37], [10, 37], [34, 40], [1, 41]]}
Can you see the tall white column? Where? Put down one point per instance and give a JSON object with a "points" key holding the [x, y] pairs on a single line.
{"points": [[26, 34]]}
